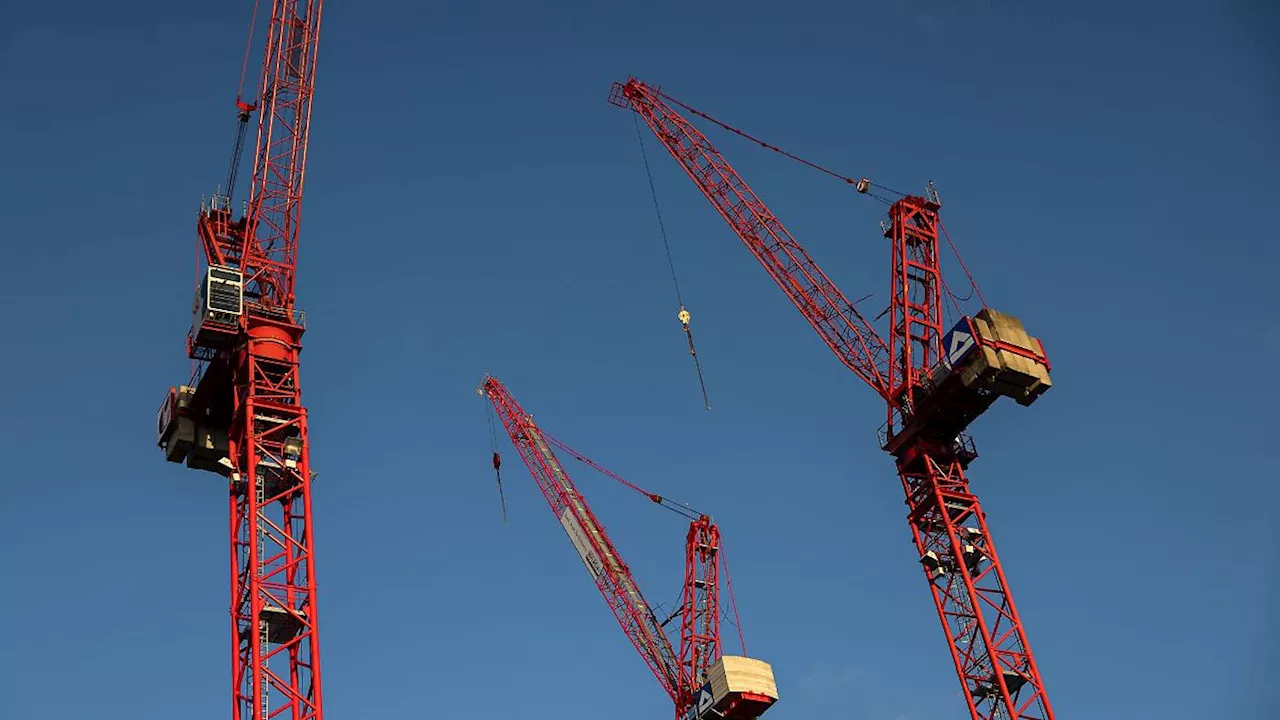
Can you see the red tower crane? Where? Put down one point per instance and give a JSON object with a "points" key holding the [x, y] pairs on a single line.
{"points": [[241, 415], [701, 681], [934, 381]]}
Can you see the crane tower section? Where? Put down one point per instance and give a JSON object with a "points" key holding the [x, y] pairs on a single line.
{"points": [[241, 415], [701, 681], [934, 384]]}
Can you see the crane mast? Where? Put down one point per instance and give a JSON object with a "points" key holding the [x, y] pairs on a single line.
{"points": [[934, 384], [241, 415], [700, 680], [700, 644]]}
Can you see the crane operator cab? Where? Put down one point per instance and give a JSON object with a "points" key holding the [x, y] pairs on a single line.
{"points": [[217, 308], [736, 688]]}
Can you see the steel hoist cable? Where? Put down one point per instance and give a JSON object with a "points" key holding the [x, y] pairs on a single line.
{"points": [[683, 316], [497, 460]]}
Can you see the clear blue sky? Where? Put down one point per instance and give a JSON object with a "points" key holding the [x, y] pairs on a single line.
{"points": [[473, 204]]}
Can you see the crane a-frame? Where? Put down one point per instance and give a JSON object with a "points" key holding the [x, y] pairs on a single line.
{"points": [[935, 382], [701, 681], [241, 415]]}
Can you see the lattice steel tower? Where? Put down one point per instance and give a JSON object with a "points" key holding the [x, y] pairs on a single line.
{"points": [[241, 415]]}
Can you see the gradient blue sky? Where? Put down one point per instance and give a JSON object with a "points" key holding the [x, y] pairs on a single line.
{"points": [[473, 204]]}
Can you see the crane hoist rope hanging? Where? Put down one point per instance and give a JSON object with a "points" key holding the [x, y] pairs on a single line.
{"points": [[497, 459], [244, 111], [683, 316]]}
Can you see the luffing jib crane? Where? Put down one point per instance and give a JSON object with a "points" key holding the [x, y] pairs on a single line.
{"points": [[935, 381], [241, 415], [701, 681]]}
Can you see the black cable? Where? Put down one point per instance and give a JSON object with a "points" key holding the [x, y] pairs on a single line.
{"points": [[845, 178], [661, 225], [666, 244], [497, 459]]}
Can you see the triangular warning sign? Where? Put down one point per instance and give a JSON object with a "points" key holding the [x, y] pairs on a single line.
{"points": [[959, 345]]}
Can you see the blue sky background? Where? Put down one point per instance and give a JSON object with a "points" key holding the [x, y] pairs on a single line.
{"points": [[473, 204]]}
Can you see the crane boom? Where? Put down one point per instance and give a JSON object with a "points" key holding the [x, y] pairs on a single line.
{"points": [[934, 385], [837, 321], [610, 573]]}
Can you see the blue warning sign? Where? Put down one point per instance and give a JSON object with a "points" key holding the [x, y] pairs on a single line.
{"points": [[957, 343]]}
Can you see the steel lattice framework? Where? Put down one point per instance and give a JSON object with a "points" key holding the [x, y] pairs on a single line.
{"points": [[611, 574], [242, 415], [683, 674], [700, 644], [987, 641]]}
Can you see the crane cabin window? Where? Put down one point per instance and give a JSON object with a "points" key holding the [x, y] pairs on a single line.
{"points": [[224, 291]]}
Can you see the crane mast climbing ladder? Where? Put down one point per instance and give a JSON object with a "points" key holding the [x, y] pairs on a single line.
{"points": [[699, 679], [934, 385], [241, 415]]}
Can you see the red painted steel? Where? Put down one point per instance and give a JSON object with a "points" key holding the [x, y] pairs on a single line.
{"points": [[837, 321], [915, 308], [986, 639], [998, 673], [611, 574], [700, 609], [247, 392], [682, 675]]}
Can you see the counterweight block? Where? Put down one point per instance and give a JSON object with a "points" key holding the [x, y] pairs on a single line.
{"points": [[982, 358], [737, 688], [185, 441], [992, 352]]}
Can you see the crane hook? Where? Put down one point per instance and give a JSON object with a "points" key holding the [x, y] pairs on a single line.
{"points": [[497, 470], [684, 318]]}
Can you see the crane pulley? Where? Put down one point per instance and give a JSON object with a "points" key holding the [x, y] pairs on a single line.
{"points": [[701, 681], [934, 382]]}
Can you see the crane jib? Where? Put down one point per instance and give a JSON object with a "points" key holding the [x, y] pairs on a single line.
{"points": [[578, 537], [844, 330], [611, 576]]}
